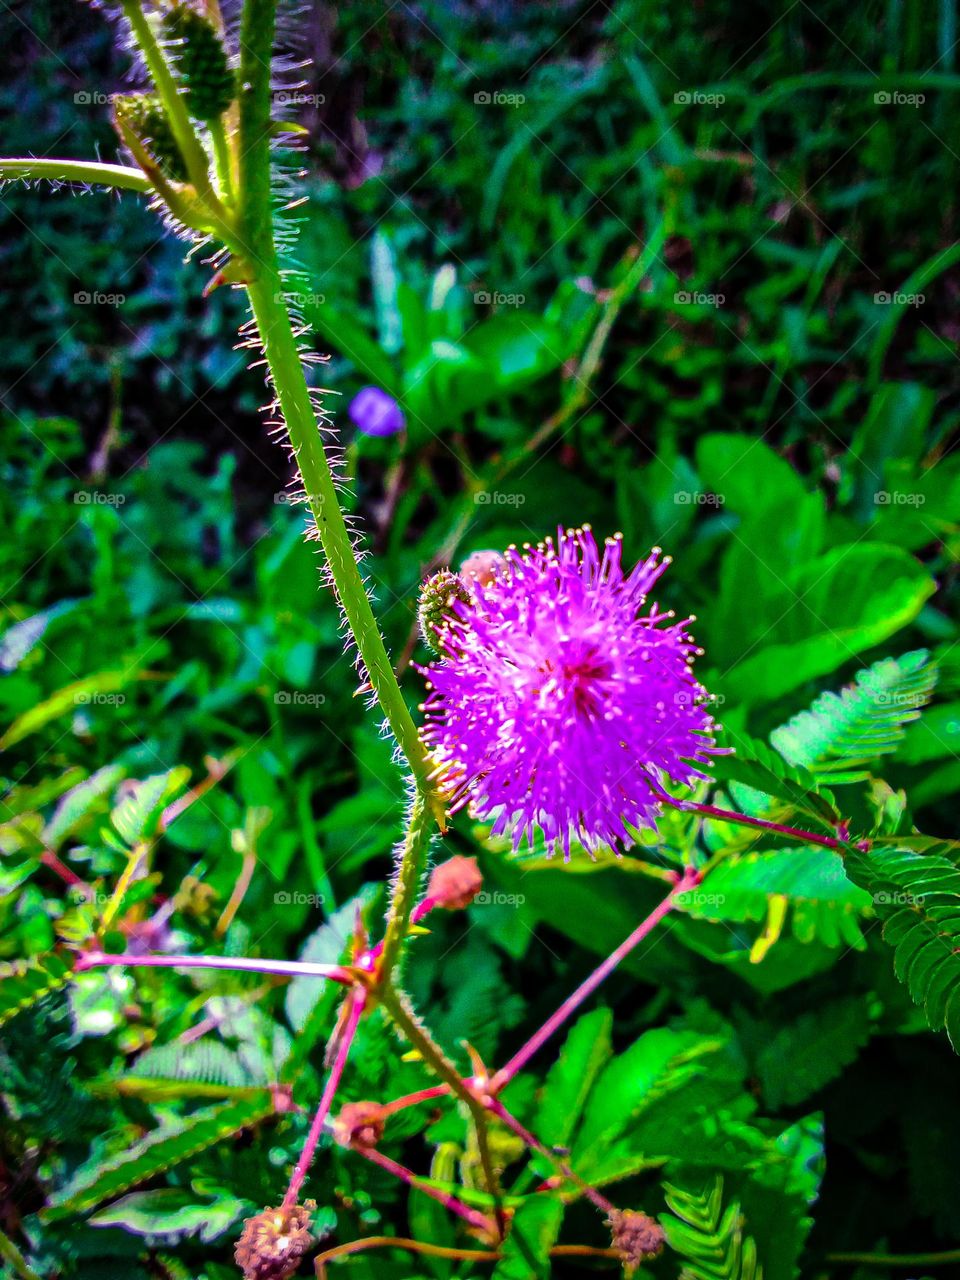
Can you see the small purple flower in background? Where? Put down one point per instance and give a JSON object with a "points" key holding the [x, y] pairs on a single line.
{"points": [[375, 413], [558, 704]]}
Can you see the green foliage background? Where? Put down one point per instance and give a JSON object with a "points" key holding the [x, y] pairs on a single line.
{"points": [[760, 1064]]}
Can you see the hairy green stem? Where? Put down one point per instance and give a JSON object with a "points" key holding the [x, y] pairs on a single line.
{"points": [[194, 156], [122, 177], [403, 896], [265, 291], [412, 1029]]}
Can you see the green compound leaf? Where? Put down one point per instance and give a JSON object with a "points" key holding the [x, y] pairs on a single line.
{"points": [[753, 764], [822, 903], [711, 1240], [158, 1151], [24, 982], [842, 732], [917, 896], [802, 1056]]}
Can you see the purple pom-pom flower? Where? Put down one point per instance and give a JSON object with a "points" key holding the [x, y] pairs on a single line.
{"points": [[561, 701], [375, 413]]}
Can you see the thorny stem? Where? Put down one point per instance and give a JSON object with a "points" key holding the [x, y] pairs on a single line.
{"points": [[265, 290], [688, 880], [409, 872], [357, 999], [398, 1008], [745, 820]]}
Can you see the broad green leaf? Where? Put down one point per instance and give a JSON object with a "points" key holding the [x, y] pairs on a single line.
{"points": [[831, 609], [572, 1076]]}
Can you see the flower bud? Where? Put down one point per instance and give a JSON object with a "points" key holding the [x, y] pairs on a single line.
{"points": [[482, 567], [360, 1124], [434, 611], [455, 883], [143, 115], [209, 86], [273, 1242], [637, 1236]]}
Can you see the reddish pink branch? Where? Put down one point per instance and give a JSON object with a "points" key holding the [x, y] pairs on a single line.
{"points": [[534, 1143], [283, 968], [50, 859], [412, 1099], [745, 819], [357, 999], [688, 880], [471, 1216]]}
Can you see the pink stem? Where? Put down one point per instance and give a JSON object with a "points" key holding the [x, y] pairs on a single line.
{"points": [[412, 1099], [50, 859], [744, 819], [688, 880], [285, 968], [534, 1143], [357, 999], [472, 1216]]}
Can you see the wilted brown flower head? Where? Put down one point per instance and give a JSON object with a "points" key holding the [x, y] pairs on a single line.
{"points": [[273, 1242], [637, 1236]]}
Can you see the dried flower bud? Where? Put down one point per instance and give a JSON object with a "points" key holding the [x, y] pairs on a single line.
{"points": [[273, 1242], [360, 1124], [209, 86], [637, 1236], [455, 883], [435, 609], [143, 115]]}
